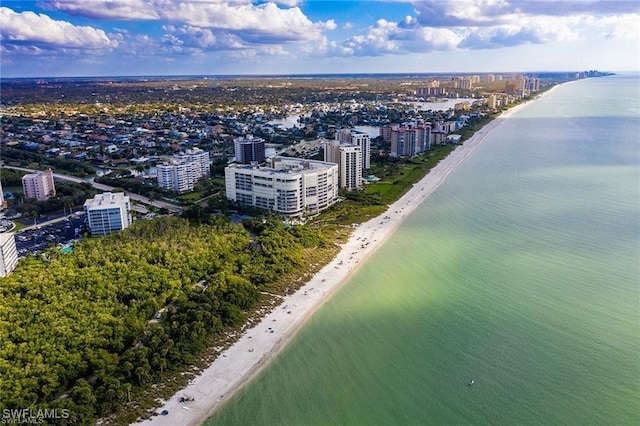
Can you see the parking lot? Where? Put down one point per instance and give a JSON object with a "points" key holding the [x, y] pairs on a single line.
{"points": [[38, 239]]}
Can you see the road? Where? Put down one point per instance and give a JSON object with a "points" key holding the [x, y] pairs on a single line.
{"points": [[137, 197]]}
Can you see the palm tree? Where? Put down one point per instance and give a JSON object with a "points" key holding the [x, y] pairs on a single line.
{"points": [[68, 203]]}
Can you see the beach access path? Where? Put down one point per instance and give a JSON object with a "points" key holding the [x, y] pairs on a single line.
{"points": [[251, 352]]}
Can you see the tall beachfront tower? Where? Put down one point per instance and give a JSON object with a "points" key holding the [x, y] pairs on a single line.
{"points": [[108, 212], [289, 186], [39, 185], [249, 149], [348, 157], [358, 138], [409, 140], [8, 253]]}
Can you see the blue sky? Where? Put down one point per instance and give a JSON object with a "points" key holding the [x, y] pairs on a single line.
{"points": [[181, 37]]}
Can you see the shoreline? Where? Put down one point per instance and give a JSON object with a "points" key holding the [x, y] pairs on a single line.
{"points": [[245, 358]]}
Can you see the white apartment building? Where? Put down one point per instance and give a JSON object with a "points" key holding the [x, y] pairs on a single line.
{"points": [[108, 212], [348, 157], [8, 253], [201, 159], [290, 186], [184, 170], [358, 138], [39, 185], [177, 176], [3, 202]]}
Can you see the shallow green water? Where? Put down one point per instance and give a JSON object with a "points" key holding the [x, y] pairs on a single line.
{"points": [[522, 272]]}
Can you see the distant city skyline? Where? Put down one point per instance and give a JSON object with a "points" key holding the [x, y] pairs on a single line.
{"points": [[209, 37]]}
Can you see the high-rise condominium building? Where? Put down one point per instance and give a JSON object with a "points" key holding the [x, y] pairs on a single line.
{"points": [[249, 149], [409, 139], [8, 253], [177, 176], [532, 84], [108, 212], [201, 158], [290, 186], [184, 170], [358, 138], [348, 157], [39, 185]]}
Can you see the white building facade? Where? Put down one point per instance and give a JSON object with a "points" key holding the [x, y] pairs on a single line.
{"points": [[200, 158], [348, 157], [3, 202], [108, 212], [8, 253], [358, 138], [177, 176], [184, 170], [290, 186]]}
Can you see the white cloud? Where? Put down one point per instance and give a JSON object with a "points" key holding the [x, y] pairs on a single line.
{"points": [[330, 25], [108, 9], [265, 21], [289, 3], [391, 38], [441, 25], [626, 27], [35, 31], [538, 30]]}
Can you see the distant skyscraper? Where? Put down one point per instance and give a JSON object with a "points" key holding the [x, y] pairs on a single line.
{"points": [[510, 87], [39, 185], [8, 253], [532, 84], [108, 212], [249, 149]]}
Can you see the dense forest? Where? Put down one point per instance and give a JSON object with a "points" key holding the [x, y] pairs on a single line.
{"points": [[36, 160], [84, 330]]}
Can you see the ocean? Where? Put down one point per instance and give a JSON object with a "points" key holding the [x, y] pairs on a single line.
{"points": [[521, 273]]}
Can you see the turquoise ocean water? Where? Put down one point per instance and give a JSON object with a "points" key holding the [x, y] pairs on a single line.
{"points": [[521, 272]]}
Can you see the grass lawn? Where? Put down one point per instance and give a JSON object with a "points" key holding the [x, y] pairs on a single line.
{"points": [[393, 187]]}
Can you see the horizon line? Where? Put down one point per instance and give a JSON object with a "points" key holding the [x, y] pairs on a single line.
{"points": [[426, 73]]}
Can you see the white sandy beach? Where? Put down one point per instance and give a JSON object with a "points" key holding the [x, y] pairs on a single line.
{"points": [[241, 361]]}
